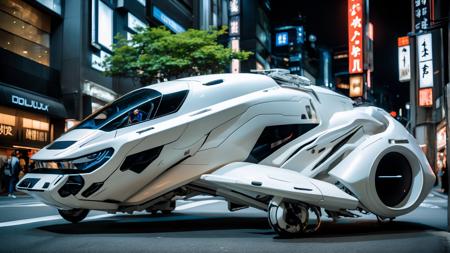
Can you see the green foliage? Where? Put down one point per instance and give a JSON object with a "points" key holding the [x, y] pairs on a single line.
{"points": [[156, 53]]}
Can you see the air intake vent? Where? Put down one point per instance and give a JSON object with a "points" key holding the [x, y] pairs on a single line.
{"points": [[393, 179], [139, 161], [61, 144], [211, 83], [28, 182]]}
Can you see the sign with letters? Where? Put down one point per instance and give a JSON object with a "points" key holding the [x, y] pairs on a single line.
{"points": [[425, 60], [167, 21], [281, 39], [421, 15], [30, 103], [355, 37], [404, 59], [7, 130]]}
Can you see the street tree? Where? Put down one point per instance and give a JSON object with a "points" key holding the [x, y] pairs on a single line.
{"points": [[154, 53]]}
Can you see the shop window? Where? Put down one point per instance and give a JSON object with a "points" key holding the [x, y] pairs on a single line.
{"points": [[7, 119], [27, 13], [35, 130], [35, 124], [25, 31], [7, 125]]}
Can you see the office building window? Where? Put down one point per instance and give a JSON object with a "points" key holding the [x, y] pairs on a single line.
{"points": [[25, 31], [105, 25]]}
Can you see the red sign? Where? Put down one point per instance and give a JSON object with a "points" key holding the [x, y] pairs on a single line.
{"points": [[403, 41], [355, 36], [426, 97]]}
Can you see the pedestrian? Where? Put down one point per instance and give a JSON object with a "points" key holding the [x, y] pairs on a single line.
{"points": [[444, 174], [3, 163], [12, 172]]}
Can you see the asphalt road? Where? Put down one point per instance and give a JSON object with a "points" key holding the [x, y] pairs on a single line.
{"points": [[203, 224]]}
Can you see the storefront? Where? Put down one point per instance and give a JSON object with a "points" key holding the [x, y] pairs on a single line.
{"points": [[28, 121]]}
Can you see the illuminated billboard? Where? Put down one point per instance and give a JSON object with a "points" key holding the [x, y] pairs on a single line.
{"points": [[404, 59], [426, 97], [356, 86], [281, 39], [355, 37]]}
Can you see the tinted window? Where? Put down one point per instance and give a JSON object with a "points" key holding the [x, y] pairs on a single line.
{"points": [[120, 108], [274, 137], [134, 115], [171, 103]]}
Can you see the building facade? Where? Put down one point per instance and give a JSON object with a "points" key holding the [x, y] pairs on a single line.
{"points": [[31, 111]]}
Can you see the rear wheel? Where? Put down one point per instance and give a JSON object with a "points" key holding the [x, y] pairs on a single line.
{"points": [[292, 219], [74, 215]]}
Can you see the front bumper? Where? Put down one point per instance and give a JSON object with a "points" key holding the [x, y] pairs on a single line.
{"points": [[46, 188]]}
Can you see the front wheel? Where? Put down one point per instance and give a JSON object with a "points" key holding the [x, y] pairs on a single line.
{"points": [[74, 215]]}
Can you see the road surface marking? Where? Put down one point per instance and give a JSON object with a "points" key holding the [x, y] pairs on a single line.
{"points": [[47, 218], [35, 204], [100, 216], [28, 221], [426, 205]]}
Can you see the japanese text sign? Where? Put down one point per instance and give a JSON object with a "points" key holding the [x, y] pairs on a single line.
{"points": [[355, 36], [425, 60]]}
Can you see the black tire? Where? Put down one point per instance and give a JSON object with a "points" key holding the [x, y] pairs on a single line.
{"points": [[74, 215], [166, 212]]}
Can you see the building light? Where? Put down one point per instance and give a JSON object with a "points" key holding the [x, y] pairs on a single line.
{"points": [[97, 91], [356, 86]]}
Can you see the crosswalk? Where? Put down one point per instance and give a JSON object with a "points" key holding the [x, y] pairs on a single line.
{"points": [[431, 202], [181, 206]]}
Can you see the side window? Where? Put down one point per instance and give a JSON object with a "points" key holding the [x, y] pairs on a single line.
{"points": [[171, 103], [274, 137], [134, 115]]}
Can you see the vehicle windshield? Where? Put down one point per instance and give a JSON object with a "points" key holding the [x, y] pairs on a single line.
{"points": [[133, 108]]}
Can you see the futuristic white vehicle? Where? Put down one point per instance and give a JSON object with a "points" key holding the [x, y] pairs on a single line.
{"points": [[271, 141]]}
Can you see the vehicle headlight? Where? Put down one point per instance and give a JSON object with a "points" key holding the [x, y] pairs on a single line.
{"points": [[84, 164]]}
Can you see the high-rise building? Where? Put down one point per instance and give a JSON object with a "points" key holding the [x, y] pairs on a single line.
{"points": [[31, 111]]}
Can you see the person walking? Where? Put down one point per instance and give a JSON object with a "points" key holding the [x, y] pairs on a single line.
{"points": [[12, 172]]}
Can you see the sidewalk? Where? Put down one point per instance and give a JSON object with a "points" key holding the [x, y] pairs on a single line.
{"points": [[436, 191]]}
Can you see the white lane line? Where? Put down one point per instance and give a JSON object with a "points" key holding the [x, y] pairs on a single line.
{"points": [[28, 221], [197, 204], [37, 204], [100, 216], [426, 205], [47, 218]]}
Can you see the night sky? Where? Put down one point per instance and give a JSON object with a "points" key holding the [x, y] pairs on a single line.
{"points": [[327, 19]]}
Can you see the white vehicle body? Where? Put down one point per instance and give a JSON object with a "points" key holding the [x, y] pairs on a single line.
{"points": [[270, 143]]}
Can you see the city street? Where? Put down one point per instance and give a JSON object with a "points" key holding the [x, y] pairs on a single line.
{"points": [[203, 224]]}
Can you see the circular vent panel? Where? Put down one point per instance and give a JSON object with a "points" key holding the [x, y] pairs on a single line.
{"points": [[393, 179]]}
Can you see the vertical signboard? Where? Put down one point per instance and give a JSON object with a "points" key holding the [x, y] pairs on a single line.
{"points": [[425, 60], [355, 36], [421, 15], [234, 32], [404, 59]]}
